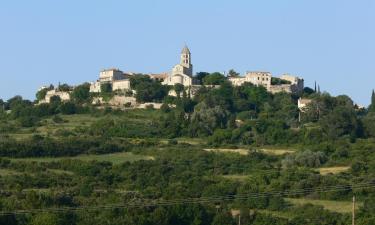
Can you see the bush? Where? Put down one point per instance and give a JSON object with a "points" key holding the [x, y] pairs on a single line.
{"points": [[306, 158], [57, 119], [150, 106]]}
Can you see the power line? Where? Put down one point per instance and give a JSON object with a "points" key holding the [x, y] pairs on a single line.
{"points": [[201, 200]]}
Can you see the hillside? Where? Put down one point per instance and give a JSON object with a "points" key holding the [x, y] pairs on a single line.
{"points": [[226, 151]]}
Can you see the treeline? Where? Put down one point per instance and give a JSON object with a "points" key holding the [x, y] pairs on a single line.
{"points": [[39, 146], [250, 115]]}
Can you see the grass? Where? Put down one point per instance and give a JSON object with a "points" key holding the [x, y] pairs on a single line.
{"points": [[115, 158], [135, 116], [278, 214], [332, 170], [335, 206], [236, 177], [225, 150], [8, 172], [271, 151]]}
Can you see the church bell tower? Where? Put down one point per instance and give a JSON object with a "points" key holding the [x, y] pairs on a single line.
{"points": [[185, 57]]}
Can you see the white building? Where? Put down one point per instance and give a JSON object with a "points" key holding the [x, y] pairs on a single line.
{"points": [[254, 77], [118, 79], [110, 75]]}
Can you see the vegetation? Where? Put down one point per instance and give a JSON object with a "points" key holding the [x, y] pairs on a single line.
{"points": [[227, 149]]}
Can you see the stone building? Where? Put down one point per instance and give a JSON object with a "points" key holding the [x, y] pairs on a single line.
{"points": [[254, 77], [295, 84], [63, 95], [181, 73], [118, 79]]}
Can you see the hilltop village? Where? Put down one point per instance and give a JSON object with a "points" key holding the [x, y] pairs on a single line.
{"points": [[181, 75]]}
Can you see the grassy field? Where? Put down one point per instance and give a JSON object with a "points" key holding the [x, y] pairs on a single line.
{"points": [[225, 150], [237, 177], [7, 172], [71, 122], [271, 151], [335, 206], [332, 170], [115, 158]]}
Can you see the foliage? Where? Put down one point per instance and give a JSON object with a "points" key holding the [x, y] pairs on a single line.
{"points": [[81, 93], [41, 94], [148, 90], [214, 79], [106, 88]]}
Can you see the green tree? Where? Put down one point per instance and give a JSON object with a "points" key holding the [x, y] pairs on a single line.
{"points": [[41, 94], [206, 119], [233, 73], [106, 88], [68, 108], [64, 87], [200, 76], [81, 93], [178, 88], [223, 218], [139, 79], [214, 79], [372, 106]]}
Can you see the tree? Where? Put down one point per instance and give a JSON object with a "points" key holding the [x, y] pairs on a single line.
{"points": [[139, 79], [341, 121], [106, 88], [41, 94], [55, 100], [68, 108], [64, 87], [214, 79], [206, 119], [81, 93], [372, 106], [148, 90], [232, 73], [178, 88], [222, 218], [200, 76]]}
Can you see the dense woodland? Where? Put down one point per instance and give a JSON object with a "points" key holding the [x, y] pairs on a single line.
{"points": [[44, 181]]}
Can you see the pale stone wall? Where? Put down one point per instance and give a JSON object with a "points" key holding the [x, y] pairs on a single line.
{"points": [[121, 85], [64, 96], [280, 88], [297, 84], [259, 78], [237, 81], [95, 87], [117, 100], [110, 75], [256, 78]]}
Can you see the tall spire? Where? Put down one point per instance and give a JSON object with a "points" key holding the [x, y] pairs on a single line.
{"points": [[185, 57], [185, 50]]}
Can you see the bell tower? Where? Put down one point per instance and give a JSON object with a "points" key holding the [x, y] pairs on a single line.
{"points": [[185, 57]]}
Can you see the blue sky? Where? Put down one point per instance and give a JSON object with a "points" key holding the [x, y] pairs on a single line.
{"points": [[332, 42]]}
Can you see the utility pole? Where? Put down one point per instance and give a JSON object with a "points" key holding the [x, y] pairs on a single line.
{"points": [[353, 211]]}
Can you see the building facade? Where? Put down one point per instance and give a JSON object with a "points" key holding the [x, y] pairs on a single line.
{"points": [[264, 79], [181, 73], [118, 79]]}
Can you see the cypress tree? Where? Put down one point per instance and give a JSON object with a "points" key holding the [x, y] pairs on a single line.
{"points": [[372, 106]]}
